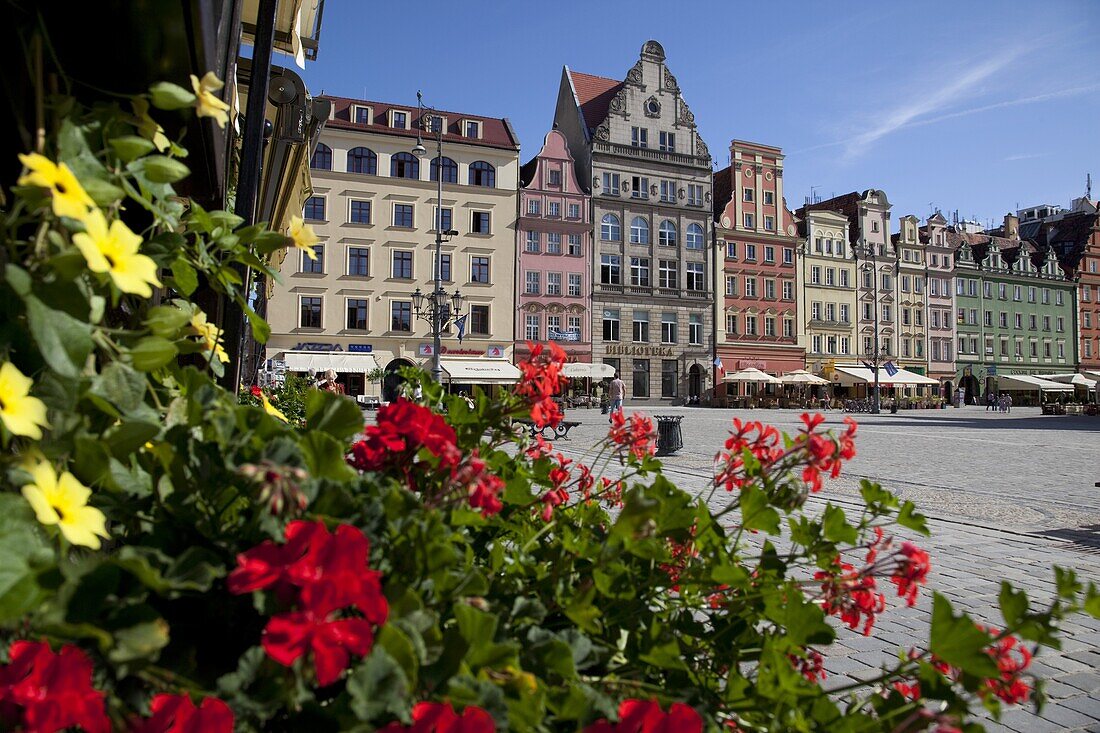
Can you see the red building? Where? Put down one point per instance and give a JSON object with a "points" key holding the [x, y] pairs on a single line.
{"points": [[1076, 239], [757, 239]]}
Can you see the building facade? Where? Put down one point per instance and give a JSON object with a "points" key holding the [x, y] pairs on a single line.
{"points": [[554, 238], [940, 294], [636, 140], [826, 276], [910, 245], [1075, 237], [1014, 309], [375, 210], [756, 265]]}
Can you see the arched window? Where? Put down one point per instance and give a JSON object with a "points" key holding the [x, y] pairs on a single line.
{"points": [[610, 230], [639, 231], [666, 234], [322, 158], [362, 160], [449, 167], [404, 165], [483, 174], [694, 238]]}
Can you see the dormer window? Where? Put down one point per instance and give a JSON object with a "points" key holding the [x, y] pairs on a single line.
{"points": [[434, 123], [361, 115], [471, 129], [399, 120], [553, 177]]}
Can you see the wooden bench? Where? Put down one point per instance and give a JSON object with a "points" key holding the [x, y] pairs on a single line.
{"points": [[548, 433]]}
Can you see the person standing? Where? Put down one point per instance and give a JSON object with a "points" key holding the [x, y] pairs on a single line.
{"points": [[1008, 402], [990, 401], [615, 394]]}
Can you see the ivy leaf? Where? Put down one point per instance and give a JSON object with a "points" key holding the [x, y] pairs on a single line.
{"points": [[1092, 601], [121, 386], [64, 341], [378, 686], [957, 641]]}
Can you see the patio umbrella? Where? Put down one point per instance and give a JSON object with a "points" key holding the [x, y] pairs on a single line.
{"points": [[751, 374], [801, 376]]}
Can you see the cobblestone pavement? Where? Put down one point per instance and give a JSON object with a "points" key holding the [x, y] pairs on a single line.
{"points": [[1008, 496]]}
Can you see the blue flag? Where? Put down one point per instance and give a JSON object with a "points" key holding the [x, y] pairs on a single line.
{"points": [[460, 324], [890, 368]]}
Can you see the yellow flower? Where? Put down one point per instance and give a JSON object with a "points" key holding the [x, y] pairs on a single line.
{"points": [[269, 408], [206, 103], [63, 500], [210, 335], [146, 126], [69, 197], [303, 236], [20, 413], [114, 250]]}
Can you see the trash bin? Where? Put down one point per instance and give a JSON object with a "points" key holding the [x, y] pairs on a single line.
{"points": [[669, 436], [894, 407]]}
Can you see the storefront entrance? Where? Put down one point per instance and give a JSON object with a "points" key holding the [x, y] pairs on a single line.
{"points": [[695, 381], [391, 383]]}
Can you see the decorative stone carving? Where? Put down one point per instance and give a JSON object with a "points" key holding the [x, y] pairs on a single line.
{"points": [[595, 182], [634, 76], [654, 49], [652, 107], [681, 193], [653, 190], [618, 104], [686, 117], [670, 82], [706, 197], [625, 187], [603, 132], [701, 149]]}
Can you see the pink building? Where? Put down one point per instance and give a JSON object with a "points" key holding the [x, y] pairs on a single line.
{"points": [[555, 254]]}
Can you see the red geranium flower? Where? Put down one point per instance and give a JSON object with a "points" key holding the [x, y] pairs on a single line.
{"points": [[646, 716], [440, 717], [54, 691], [402, 429], [177, 714], [542, 380], [851, 595], [633, 435], [811, 665], [911, 572]]}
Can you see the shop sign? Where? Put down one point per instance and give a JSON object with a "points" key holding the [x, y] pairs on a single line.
{"points": [[462, 352], [752, 364], [613, 350], [494, 351], [425, 350], [317, 346], [991, 370], [361, 348], [556, 334]]}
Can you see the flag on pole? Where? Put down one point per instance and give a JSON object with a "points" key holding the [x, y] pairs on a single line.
{"points": [[890, 368], [460, 324], [718, 364], [869, 366]]}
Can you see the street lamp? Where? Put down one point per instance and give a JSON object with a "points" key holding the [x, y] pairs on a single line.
{"points": [[438, 307], [877, 352]]}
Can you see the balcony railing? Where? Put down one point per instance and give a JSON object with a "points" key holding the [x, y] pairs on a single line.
{"points": [[662, 156]]}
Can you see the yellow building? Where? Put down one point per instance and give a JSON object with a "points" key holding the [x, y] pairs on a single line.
{"points": [[826, 279]]}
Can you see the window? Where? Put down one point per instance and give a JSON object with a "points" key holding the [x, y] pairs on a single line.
{"points": [[472, 130], [668, 191], [362, 160], [432, 123], [905, 281], [731, 285], [575, 284], [575, 245], [480, 222], [695, 329], [1016, 292], [1019, 321], [448, 168], [667, 276], [769, 289], [357, 313], [695, 194], [444, 267], [666, 234], [532, 280], [574, 211], [553, 209], [479, 269], [553, 283], [611, 184], [359, 213], [611, 270], [575, 325], [906, 317], [553, 243], [553, 327], [404, 165], [1032, 322], [694, 271], [888, 282], [815, 311], [1046, 296], [747, 195], [639, 231], [769, 326], [750, 253], [731, 250], [750, 286], [611, 324], [534, 207], [830, 276], [403, 215], [667, 141], [918, 316], [362, 115], [311, 312], [769, 223], [479, 319], [843, 278], [731, 324], [314, 208], [322, 158], [639, 271], [750, 326], [359, 261], [315, 265], [668, 328], [815, 275], [1031, 294], [482, 174], [641, 378], [610, 230], [639, 187], [868, 313], [446, 214], [668, 377], [749, 221], [694, 238], [816, 344], [769, 253], [1061, 324], [830, 312], [531, 328], [845, 315], [1061, 350], [788, 256], [918, 284], [532, 243], [641, 327], [402, 264], [639, 137], [788, 290], [874, 226], [1058, 296], [886, 315], [400, 120], [935, 319], [553, 177], [1003, 319]]}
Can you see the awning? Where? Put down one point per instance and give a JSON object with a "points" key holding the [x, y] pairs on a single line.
{"points": [[594, 371], [480, 371], [850, 375], [297, 27], [322, 361], [801, 376], [1074, 378], [1028, 383], [751, 374]]}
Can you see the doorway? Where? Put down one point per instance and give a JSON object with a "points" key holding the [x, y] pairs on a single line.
{"points": [[391, 383], [695, 382]]}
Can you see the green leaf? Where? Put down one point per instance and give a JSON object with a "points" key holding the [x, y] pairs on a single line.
{"points": [[835, 524], [186, 279], [141, 641], [120, 386], [152, 352], [261, 329], [128, 436], [476, 626], [24, 554], [755, 511], [378, 686], [334, 414], [160, 169], [397, 644], [910, 518], [105, 194], [1092, 601], [64, 341], [166, 95], [324, 457], [957, 641], [166, 320], [1013, 603], [130, 147]]}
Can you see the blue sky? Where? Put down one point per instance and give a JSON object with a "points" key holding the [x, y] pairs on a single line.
{"points": [[975, 106]]}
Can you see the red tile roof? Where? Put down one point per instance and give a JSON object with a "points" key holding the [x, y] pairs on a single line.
{"points": [[496, 132], [846, 205], [594, 94]]}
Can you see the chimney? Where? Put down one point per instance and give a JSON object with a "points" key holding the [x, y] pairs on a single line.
{"points": [[1012, 226]]}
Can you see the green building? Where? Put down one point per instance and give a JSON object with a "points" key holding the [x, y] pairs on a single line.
{"points": [[1014, 310]]}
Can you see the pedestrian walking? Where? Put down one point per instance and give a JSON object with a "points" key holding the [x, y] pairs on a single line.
{"points": [[1008, 402], [615, 394], [990, 401]]}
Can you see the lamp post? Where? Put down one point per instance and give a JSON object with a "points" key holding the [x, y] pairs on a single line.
{"points": [[876, 350], [438, 307]]}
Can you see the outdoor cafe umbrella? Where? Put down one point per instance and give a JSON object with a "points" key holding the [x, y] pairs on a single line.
{"points": [[751, 374], [801, 376]]}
